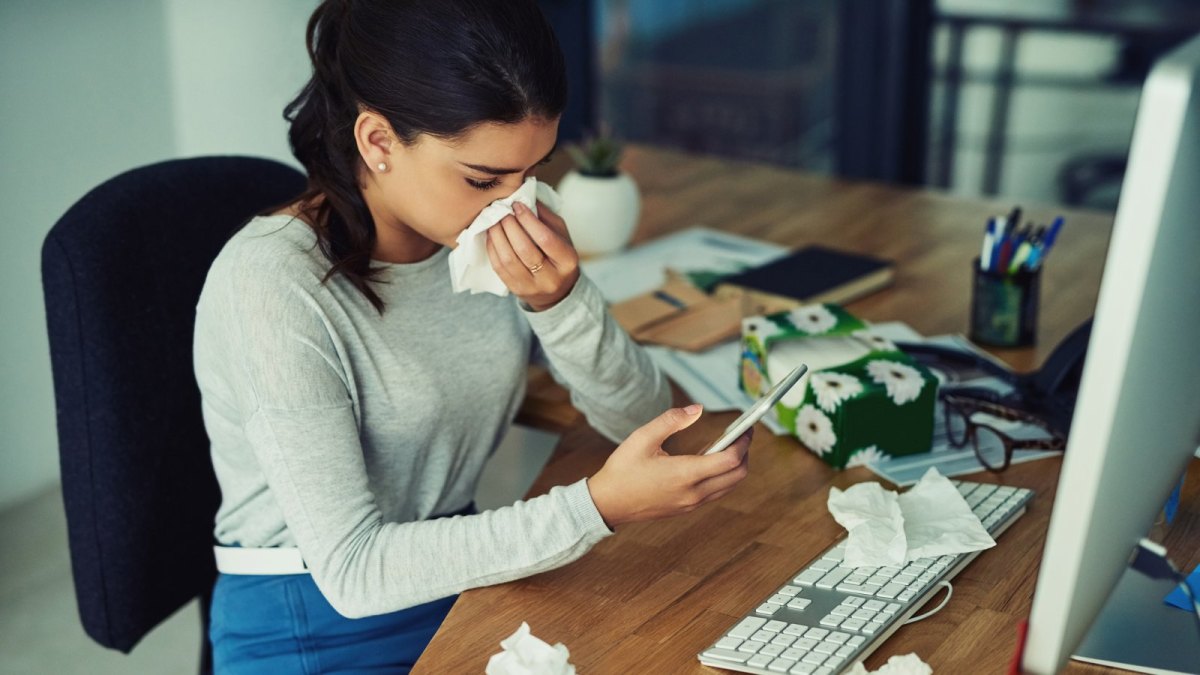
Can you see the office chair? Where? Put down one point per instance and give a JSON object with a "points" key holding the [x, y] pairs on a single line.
{"points": [[122, 272]]}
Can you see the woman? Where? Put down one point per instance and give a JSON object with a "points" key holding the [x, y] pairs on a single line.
{"points": [[352, 399]]}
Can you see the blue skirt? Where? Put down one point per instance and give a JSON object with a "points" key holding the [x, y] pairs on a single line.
{"points": [[283, 624]]}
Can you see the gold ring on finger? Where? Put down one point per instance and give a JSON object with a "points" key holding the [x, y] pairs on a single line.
{"points": [[537, 268]]}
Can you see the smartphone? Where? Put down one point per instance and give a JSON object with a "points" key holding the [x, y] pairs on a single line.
{"points": [[755, 413]]}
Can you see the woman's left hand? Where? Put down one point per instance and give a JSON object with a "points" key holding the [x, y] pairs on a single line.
{"points": [[534, 257]]}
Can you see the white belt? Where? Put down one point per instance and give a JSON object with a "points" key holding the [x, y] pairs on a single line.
{"points": [[238, 560]]}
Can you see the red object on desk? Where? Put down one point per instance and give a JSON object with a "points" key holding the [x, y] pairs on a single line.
{"points": [[1014, 667]]}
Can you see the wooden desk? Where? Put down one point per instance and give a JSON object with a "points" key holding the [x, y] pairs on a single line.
{"points": [[648, 599]]}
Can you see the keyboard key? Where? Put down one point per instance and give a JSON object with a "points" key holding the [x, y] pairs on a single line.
{"points": [[778, 599], [816, 633], [904, 579], [873, 627], [767, 609], [728, 643], [795, 629], [747, 627], [837, 638], [799, 604], [864, 614], [783, 640], [878, 580], [759, 660], [889, 571], [869, 604], [814, 658], [853, 602], [803, 668], [859, 590], [832, 621], [823, 671], [825, 648], [763, 636], [808, 577], [789, 591], [824, 564], [772, 650], [844, 651], [891, 608], [842, 610], [852, 624], [890, 591], [856, 640], [805, 643], [750, 647], [833, 578], [856, 578], [774, 626], [792, 654], [726, 655], [781, 665], [906, 595]]}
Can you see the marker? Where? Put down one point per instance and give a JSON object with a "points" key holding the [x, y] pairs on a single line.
{"points": [[1020, 257], [1051, 235]]}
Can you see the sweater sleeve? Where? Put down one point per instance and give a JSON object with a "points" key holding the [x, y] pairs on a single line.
{"points": [[302, 428], [612, 380]]}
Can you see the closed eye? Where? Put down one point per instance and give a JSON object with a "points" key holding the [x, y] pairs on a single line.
{"points": [[483, 184]]}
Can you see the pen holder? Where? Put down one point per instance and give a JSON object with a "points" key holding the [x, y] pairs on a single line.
{"points": [[1004, 307]]}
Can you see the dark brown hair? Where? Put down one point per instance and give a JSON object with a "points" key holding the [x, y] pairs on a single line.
{"points": [[436, 67]]}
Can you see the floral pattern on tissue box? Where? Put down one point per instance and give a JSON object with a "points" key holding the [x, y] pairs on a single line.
{"points": [[872, 407]]}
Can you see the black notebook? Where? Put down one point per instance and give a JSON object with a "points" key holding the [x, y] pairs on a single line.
{"points": [[815, 274]]}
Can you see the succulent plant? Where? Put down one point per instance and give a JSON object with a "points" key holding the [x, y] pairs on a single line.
{"points": [[597, 156]]}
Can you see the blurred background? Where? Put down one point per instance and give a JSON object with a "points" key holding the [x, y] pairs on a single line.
{"points": [[1028, 100]]}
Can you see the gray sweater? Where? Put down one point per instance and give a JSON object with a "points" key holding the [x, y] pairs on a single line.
{"points": [[341, 432]]}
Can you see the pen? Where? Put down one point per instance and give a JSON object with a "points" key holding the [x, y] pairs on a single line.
{"points": [[1051, 235], [670, 299], [985, 256]]}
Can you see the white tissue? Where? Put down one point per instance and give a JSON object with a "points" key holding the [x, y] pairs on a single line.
{"points": [[886, 529], [524, 654], [909, 664], [470, 268]]}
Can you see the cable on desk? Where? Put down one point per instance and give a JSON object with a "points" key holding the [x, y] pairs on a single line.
{"points": [[935, 610]]}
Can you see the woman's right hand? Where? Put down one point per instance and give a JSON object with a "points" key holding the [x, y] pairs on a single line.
{"points": [[640, 481]]}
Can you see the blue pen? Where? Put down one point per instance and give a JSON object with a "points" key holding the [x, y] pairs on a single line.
{"points": [[998, 239], [1044, 249]]}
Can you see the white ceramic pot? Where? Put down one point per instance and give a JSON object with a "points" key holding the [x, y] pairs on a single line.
{"points": [[601, 213]]}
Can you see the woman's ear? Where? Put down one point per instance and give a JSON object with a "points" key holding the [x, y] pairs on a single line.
{"points": [[375, 140]]}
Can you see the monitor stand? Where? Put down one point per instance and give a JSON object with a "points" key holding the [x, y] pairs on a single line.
{"points": [[1137, 631]]}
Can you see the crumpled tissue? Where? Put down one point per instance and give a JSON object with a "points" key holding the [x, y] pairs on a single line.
{"points": [[886, 529], [909, 664], [470, 268], [525, 654]]}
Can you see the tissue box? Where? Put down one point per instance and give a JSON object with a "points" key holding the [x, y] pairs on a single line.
{"points": [[862, 399]]}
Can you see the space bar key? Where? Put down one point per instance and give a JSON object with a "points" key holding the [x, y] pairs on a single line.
{"points": [[727, 655]]}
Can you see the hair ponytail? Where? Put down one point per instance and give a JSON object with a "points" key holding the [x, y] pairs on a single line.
{"points": [[437, 67]]}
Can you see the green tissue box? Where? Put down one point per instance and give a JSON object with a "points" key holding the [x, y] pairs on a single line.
{"points": [[862, 400]]}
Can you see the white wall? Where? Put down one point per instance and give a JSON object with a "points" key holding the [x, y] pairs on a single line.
{"points": [[88, 90], [234, 66], [83, 96]]}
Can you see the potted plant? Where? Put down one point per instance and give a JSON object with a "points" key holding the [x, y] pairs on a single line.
{"points": [[601, 203]]}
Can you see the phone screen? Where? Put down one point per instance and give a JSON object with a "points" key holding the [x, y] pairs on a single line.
{"points": [[756, 412]]}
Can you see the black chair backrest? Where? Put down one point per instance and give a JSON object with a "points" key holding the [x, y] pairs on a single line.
{"points": [[122, 271]]}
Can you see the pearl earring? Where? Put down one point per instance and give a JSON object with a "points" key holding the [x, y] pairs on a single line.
{"points": [[381, 166]]}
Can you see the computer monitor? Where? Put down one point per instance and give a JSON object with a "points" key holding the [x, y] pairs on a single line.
{"points": [[1137, 418]]}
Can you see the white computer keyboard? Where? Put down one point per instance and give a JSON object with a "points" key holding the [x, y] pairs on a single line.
{"points": [[829, 616]]}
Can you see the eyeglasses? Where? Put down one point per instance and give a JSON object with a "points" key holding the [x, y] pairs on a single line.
{"points": [[966, 420]]}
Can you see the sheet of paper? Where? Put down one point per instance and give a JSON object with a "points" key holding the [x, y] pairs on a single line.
{"points": [[643, 268]]}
